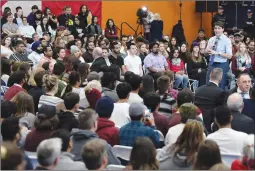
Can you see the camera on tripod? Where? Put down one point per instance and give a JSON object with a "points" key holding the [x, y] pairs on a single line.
{"points": [[141, 14]]}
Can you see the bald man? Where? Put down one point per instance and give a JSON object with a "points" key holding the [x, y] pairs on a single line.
{"points": [[240, 121]]}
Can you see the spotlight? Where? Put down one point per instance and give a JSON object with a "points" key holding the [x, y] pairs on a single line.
{"points": [[144, 8]]}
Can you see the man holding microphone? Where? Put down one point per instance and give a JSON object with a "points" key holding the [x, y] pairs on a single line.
{"points": [[220, 50]]}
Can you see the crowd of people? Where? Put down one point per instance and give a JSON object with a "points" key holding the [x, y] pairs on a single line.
{"points": [[71, 92]]}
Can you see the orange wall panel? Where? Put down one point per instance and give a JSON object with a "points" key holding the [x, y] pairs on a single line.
{"points": [[125, 11]]}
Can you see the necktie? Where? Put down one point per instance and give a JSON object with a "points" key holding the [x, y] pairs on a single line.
{"points": [[243, 94], [214, 48]]}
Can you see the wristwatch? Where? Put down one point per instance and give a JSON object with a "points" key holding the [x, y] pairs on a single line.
{"points": [[219, 54]]}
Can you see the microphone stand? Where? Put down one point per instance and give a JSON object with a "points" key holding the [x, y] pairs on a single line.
{"points": [[180, 9]]}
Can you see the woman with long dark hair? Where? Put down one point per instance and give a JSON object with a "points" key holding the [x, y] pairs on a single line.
{"points": [[78, 31], [52, 19], [43, 27], [143, 155], [196, 66], [6, 47], [85, 16], [94, 27], [18, 16], [111, 31], [173, 44], [208, 155], [184, 53]]}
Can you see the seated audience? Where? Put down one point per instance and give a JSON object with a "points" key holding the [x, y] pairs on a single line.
{"points": [[132, 62], [120, 114], [108, 82], [46, 121], [92, 95], [176, 65], [167, 102], [35, 56], [115, 57], [94, 154], [243, 86], [196, 66], [50, 84], [47, 57], [136, 128], [182, 154], [247, 160], [187, 111], [12, 158], [208, 155], [184, 96], [66, 117], [10, 28], [206, 96], [13, 134], [15, 84], [228, 140], [240, 122], [25, 109], [147, 85], [87, 120], [98, 61], [26, 29], [20, 54], [111, 32], [135, 83], [249, 105], [143, 155], [152, 102], [66, 161], [38, 90], [48, 153], [106, 128], [171, 89]]}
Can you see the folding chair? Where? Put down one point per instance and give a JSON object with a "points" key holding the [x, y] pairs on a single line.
{"points": [[161, 136], [122, 152], [229, 158], [115, 167], [33, 157], [193, 84]]}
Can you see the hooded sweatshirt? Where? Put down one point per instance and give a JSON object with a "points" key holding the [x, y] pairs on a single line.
{"points": [[106, 130], [170, 162], [67, 121], [81, 137]]}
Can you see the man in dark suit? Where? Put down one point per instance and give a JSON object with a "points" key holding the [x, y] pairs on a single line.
{"points": [[207, 95], [243, 86], [240, 122], [249, 105]]}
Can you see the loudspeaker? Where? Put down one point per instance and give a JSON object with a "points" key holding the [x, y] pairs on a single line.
{"points": [[200, 6], [212, 6]]}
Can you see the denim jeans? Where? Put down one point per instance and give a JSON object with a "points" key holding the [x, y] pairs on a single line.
{"points": [[181, 79], [225, 67]]}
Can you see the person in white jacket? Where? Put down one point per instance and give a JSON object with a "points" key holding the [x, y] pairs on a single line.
{"points": [[44, 27], [26, 29]]}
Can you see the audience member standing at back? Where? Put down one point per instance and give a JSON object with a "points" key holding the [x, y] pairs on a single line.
{"points": [[220, 50]]}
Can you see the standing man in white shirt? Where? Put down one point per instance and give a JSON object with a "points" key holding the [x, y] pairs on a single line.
{"points": [[228, 140], [26, 29], [133, 62]]}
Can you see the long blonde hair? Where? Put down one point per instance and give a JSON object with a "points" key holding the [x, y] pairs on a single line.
{"points": [[238, 53], [31, 80], [194, 58]]}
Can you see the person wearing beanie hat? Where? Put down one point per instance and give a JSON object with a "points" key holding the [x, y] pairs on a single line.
{"points": [[92, 95], [35, 56], [249, 24], [200, 36], [136, 128], [196, 66], [106, 129], [220, 16]]}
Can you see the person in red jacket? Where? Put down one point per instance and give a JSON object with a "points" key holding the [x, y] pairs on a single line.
{"points": [[15, 84], [111, 32], [106, 129], [176, 64]]}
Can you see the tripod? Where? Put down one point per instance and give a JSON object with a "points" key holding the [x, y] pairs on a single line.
{"points": [[139, 25]]}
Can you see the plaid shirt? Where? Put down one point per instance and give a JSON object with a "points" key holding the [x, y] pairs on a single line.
{"points": [[129, 132]]}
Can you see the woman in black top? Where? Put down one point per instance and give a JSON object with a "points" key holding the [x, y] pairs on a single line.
{"points": [[77, 30], [52, 19], [184, 53], [94, 28], [84, 16], [173, 44], [196, 65]]}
